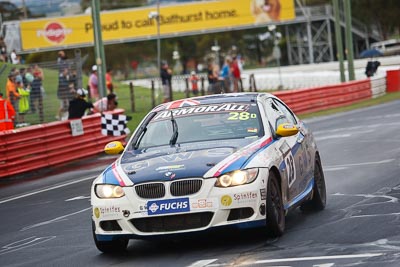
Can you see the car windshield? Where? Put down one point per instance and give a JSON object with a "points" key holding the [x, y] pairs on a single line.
{"points": [[201, 123]]}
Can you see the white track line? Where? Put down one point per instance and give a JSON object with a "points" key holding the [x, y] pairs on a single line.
{"points": [[46, 189]]}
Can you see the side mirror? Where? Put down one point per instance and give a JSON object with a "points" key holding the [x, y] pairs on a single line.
{"points": [[114, 148], [286, 129]]}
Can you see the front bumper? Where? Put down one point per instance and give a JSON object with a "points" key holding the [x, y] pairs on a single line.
{"points": [[134, 216]]}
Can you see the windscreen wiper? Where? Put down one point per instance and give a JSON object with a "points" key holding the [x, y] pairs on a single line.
{"points": [[142, 130], [175, 133]]}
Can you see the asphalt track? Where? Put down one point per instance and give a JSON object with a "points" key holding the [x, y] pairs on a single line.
{"points": [[45, 219]]}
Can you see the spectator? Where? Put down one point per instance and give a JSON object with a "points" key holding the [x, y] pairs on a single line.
{"points": [[62, 61], [14, 57], [109, 83], [19, 75], [36, 92], [11, 91], [93, 84], [23, 104], [236, 74], [212, 75], [38, 72], [28, 77], [79, 105], [225, 75], [166, 77], [3, 50], [194, 79], [63, 93], [7, 114], [106, 103], [73, 81]]}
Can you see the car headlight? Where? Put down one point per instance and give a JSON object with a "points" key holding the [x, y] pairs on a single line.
{"points": [[235, 178], [108, 191]]}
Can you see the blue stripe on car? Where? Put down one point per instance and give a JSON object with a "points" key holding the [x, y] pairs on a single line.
{"points": [[109, 177], [302, 195]]}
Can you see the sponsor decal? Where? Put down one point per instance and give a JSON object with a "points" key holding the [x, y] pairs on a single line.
{"points": [[170, 168], [106, 211], [219, 152], [182, 103], [136, 166], [96, 212], [111, 145], [262, 209], [168, 206], [287, 126], [54, 32], [177, 157], [217, 108], [245, 197], [226, 200], [252, 130], [202, 203], [263, 193]]}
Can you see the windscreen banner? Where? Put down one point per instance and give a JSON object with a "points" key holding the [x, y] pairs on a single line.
{"points": [[141, 23]]}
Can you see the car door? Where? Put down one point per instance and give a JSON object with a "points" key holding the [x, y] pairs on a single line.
{"points": [[291, 148]]}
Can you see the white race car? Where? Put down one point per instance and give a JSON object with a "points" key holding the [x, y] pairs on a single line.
{"points": [[229, 160]]}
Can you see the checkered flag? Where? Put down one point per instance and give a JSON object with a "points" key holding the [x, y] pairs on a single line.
{"points": [[114, 124]]}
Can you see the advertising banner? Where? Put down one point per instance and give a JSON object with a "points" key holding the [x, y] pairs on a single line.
{"points": [[136, 24]]}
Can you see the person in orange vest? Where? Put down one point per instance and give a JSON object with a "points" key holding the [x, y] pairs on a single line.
{"points": [[193, 80], [11, 91], [7, 114]]}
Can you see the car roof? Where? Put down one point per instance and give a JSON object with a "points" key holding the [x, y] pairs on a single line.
{"points": [[211, 99]]}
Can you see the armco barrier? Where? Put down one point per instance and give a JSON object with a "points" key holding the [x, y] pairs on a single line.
{"points": [[44, 145], [316, 99], [378, 86]]}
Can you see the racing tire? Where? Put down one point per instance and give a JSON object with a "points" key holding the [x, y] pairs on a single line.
{"points": [[318, 199], [275, 210], [111, 247]]}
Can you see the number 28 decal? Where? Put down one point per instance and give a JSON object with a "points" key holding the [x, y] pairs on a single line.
{"points": [[290, 168], [243, 116]]}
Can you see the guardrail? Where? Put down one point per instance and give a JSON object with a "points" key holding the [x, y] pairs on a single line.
{"points": [[39, 146], [316, 99]]}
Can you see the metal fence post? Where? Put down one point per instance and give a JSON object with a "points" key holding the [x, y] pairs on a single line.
{"points": [[187, 88], [78, 67], [153, 100], [202, 86], [41, 115], [170, 90], [132, 97]]}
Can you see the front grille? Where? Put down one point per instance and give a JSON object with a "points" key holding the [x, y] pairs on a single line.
{"points": [[173, 223], [185, 187], [153, 190]]}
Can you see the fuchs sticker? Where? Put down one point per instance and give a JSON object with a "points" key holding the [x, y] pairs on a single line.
{"points": [[168, 206]]}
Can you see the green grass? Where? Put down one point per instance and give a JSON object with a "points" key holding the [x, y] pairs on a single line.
{"points": [[143, 103]]}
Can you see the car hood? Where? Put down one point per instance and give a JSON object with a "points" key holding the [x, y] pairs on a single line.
{"points": [[173, 163]]}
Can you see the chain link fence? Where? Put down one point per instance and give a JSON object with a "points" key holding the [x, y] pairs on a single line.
{"points": [[43, 82]]}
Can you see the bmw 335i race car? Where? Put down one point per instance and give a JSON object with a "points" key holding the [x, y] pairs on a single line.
{"points": [[238, 160]]}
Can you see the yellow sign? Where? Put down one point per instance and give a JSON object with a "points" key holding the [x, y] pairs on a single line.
{"points": [[135, 24]]}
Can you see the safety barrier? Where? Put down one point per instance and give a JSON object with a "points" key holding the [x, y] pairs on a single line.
{"points": [[39, 146], [320, 98], [378, 86]]}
